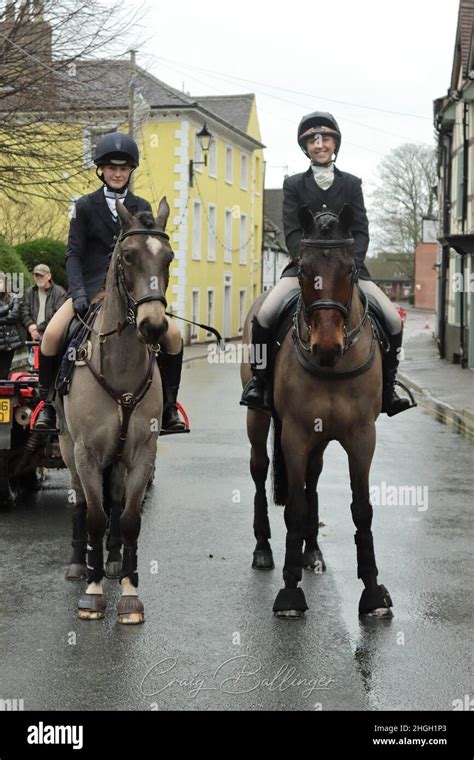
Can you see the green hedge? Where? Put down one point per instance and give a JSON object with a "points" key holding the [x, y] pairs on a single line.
{"points": [[45, 251], [11, 263]]}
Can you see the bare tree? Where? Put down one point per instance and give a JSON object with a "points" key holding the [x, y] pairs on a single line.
{"points": [[403, 197], [49, 89]]}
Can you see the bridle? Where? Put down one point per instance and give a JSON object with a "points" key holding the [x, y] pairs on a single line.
{"points": [[132, 303], [306, 310], [350, 336], [126, 401]]}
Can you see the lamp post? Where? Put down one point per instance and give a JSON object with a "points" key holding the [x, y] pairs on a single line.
{"points": [[204, 137]]}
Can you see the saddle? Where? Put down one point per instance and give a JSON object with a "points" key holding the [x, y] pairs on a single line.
{"points": [[74, 339]]}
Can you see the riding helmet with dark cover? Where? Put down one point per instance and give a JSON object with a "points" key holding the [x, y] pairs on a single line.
{"points": [[318, 122], [116, 148]]}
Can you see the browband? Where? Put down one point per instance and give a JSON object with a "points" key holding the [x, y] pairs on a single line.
{"points": [[143, 231]]}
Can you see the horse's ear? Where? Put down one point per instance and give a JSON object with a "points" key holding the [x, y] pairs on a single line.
{"points": [[346, 217], [124, 214], [163, 213], [306, 219]]}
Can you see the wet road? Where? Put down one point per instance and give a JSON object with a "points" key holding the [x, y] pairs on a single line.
{"points": [[210, 640]]}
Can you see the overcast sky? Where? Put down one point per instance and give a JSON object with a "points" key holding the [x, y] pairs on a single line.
{"points": [[298, 57]]}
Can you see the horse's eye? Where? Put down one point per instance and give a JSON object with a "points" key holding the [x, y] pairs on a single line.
{"points": [[128, 257]]}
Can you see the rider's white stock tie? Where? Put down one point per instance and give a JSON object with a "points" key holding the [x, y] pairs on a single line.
{"points": [[111, 197], [323, 175]]}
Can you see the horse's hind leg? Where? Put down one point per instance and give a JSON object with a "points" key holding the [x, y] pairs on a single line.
{"points": [[312, 555], [360, 447], [113, 496], [258, 424]]}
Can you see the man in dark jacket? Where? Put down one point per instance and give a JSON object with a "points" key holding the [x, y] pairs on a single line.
{"points": [[93, 232], [41, 302], [323, 185]]}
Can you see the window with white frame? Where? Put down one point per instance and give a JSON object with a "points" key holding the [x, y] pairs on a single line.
{"points": [[211, 309], [242, 309], [228, 237], [213, 158], [243, 238], [211, 232], [244, 172], [91, 138], [197, 230], [229, 155], [194, 313], [198, 154]]}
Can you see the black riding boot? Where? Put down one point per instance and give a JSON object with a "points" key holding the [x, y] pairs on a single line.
{"points": [[48, 366], [256, 393], [170, 378], [392, 403]]}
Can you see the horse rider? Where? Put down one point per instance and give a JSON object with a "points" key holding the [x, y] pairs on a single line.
{"points": [[93, 232], [323, 185]]}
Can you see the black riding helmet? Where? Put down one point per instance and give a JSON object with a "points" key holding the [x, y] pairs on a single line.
{"points": [[318, 122], [116, 148]]}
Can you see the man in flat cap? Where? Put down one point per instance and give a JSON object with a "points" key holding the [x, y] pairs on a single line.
{"points": [[40, 302]]}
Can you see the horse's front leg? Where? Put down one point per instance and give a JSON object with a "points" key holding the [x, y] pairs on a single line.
{"points": [[290, 601], [92, 603], [114, 491], [130, 609], [312, 555], [360, 446]]}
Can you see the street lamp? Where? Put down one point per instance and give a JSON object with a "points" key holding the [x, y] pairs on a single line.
{"points": [[204, 137]]}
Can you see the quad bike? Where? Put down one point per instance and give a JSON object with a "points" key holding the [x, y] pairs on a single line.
{"points": [[25, 454]]}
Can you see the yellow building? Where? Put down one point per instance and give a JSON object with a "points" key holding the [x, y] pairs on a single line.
{"points": [[217, 214]]}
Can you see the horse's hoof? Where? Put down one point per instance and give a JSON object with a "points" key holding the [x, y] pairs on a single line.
{"points": [[263, 559], [92, 607], [113, 569], [290, 603], [75, 572], [130, 611], [313, 560], [376, 602]]}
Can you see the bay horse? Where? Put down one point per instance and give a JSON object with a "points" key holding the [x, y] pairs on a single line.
{"points": [[327, 386], [112, 414]]}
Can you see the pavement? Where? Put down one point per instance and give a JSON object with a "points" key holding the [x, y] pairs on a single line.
{"points": [[443, 389]]}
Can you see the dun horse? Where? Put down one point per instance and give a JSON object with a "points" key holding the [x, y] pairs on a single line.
{"points": [[113, 411], [327, 387]]}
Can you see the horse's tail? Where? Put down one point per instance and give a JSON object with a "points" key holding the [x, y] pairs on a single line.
{"points": [[280, 479]]}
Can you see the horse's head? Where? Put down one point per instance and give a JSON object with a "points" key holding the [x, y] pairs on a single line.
{"points": [[326, 273], [142, 259]]}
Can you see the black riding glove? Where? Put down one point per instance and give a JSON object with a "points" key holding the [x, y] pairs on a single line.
{"points": [[80, 305]]}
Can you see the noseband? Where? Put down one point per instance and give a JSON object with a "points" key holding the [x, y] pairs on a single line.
{"points": [[132, 303]]}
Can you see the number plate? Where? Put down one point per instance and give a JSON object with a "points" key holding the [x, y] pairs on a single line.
{"points": [[5, 410]]}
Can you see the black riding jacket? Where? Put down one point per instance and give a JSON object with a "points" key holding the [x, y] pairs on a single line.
{"points": [[92, 236], [301, 189]]}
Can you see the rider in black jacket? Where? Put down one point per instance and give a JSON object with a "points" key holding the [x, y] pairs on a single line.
{"points": [[323, 184], [93, 232]]}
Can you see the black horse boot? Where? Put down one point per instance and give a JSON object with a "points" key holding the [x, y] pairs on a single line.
{"points": [[256, 393], [392, 403], [48, 366], [171, 367]]}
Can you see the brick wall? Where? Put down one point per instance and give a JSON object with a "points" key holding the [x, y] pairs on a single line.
{"points": [[425, 276]]}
